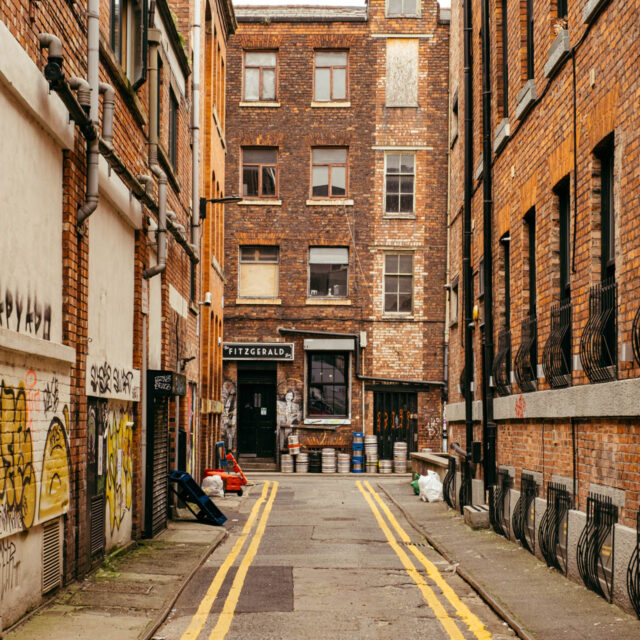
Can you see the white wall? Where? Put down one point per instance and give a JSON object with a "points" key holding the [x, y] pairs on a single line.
{"points": [[155, 317]]}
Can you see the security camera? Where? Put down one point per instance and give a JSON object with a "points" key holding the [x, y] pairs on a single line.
{"points": [[207, 299]]}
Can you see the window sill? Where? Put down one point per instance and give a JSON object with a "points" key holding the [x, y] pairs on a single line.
{"points": [[331, 105], [329, 301], [260, 104], [259, 301], [398, 316], [526, 99], [330, 202], [592, 9], [558, 53], [260, 202], [393, 216], [501, 135], [326, 422], [193, 308], [402, 106]]}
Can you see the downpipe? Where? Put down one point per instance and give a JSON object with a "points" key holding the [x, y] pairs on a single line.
{"points": [[195, 132]]}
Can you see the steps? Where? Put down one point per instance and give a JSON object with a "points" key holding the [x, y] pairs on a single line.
{"points": [[251, 463]]}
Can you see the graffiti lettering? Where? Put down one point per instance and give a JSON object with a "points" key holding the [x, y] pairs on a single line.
{"points": [[8, 567], [119, 467], [108, 380], [12, 316], [521, 407], [50, 396], [101, 378], [122, 380]]}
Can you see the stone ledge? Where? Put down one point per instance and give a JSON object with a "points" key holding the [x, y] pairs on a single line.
{"points": [[592, 9], [331, 105], [558, 52], [259, 202], [526, 99], [477, 174], [501, 135], [21, 343], [259, 104], [330, 202]]}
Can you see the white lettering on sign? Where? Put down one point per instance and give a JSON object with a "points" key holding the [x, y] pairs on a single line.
{"points": [[239, 351]]}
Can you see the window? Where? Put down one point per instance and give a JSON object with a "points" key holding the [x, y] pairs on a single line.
{"points": [[604, 153], [259, 75], [564, 206], [259, 175], [530, 228], [159, 95], [503, 42], [330, 81], [505, 241], [401, 80], [563, 9], [398, 283], [530, 51], [258, 274], [454, 118], [173, 129], [402, 8], [328, 384], [128, 37], [328, 272], [329, 173], [399, 181]]}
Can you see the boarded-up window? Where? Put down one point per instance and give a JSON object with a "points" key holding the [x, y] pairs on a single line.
{"points": [[258, 277], [402, 72]]}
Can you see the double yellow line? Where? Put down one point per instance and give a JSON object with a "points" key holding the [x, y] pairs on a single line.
{"points": [[226, 616], [472, 622]]}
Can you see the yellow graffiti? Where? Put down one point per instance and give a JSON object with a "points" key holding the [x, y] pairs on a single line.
{"points": [[119, 468], [17, 477], [54, 485]]}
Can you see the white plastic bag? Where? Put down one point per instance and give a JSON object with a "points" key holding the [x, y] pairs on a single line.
{"points": [[213, 486], [430, 487]]}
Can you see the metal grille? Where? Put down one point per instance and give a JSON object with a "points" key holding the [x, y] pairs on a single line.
{"points": [[501, 364], [599, 338], [51, 560], [500, 506], [464, 495], [395, 420], [556, 356], [636, 336], [595, 547], [554, 529], [524, 514], [449, 484], [526, 364], [633, 573], [97, 524]]}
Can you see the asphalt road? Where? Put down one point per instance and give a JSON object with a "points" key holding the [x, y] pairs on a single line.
{"points": [[326, 557]]}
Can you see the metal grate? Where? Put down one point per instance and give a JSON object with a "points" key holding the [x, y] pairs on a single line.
{"points": [[51, 556], [633, 573], [97, 541], [636, 336], [524, 514], [449, 484], [526, 365], [599, 337], [595, 547], [500, 506], [554, 527], [501, 364], [556, 356]]}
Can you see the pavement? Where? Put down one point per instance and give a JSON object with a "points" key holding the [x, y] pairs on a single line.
{"points": [[137, 590]]}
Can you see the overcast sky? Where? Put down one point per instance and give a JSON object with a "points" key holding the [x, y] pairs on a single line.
{"points": [[339, 3]]}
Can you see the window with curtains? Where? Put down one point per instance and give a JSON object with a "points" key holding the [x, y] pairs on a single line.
{"points": [[259, 173], [259, 76], [258, 272], [329, 172], [328, 272], [330, 77]]}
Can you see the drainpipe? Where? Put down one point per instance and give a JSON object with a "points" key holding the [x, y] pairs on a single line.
{"points": [[93, 147], [488, 423], [195, 131], [155, 38], [108, 103], [466, 224]]}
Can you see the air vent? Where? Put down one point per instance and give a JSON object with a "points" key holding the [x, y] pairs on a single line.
{"points": [[97, 524], [51, 557]]}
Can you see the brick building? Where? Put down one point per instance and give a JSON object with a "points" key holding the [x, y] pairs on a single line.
{"points": [[562, 381], [99, 286], [335, 257]]}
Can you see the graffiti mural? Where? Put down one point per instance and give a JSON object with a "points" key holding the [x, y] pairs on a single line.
{"points": [[54, 484], [109, 380], [289, 409], [8, 567], [229, 420], [34, 320], [119, 467]]}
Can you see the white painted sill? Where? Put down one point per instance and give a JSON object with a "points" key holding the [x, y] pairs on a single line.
{"points": [[330, 202], [320, 302], [260, 104], [259, 301], [331, 105], [260, 202], [407, 216]]}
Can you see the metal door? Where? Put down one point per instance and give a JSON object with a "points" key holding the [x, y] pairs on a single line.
{"points": [[257, 419], [395, 415]]}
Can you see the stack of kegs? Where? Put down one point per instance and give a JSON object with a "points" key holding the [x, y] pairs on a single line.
{"points": [[315, 462], [386, 466], [294, 445], [371, 453], [286, 463], [358, 451], [400, 457], [328, 460], [344, 462], [302, 463]]}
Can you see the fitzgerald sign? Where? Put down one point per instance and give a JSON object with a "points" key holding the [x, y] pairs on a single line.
{"points": [[257, 351]]}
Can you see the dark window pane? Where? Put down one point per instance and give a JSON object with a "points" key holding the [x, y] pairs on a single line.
{"points": [[338, 181], [391, 263], [391, 284], [406, 264], [268, 181], [259, 156], [250, 181], [404, 284], [393, 184], [390, 302], [392, 204], [340, 401], [406, 204], [252, 84], [320, 181], [406, 184], [268, 254], [405, 302]]}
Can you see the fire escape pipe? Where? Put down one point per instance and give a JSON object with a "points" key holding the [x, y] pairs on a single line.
{"points": [[488, 423], [466, 224], [195, 131]]}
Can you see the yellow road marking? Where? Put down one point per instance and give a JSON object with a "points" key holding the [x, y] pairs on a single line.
{"points": [[225, 618], [200, 616], [470, 619], [443, 617]]}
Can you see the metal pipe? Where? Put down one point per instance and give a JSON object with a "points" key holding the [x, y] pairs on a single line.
{"points": [[83, 92], [466, 223], [108, 105], [195, 131]]}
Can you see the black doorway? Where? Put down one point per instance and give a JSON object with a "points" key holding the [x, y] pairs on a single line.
{"points": [[257, 411]]}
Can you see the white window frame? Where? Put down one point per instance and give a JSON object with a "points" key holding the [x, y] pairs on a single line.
{"points": [[417, 14], [400, 214], [403, 314]]}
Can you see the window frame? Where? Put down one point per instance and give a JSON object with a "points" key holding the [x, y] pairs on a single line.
{"points": [[530, 48], [242, 261], [347, 385], [260, 166], [454, 302], [343, 296], [399, 214], [504, 36], [261, 68], [330, 165], [331, 68], [125, 34], [402, 14], [397, 274], [172, 122]]}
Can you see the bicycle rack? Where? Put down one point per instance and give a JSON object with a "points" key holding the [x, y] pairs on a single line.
{"points": [[449, 484], [524, 514], [633, 574], [500, 505], [554, 527]]}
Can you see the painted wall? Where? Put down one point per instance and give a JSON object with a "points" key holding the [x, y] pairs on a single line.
{"points": [[155, 317]]}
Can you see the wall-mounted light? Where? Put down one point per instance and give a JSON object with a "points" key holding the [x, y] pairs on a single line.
{"points": [[203, 203], [207, 300]]}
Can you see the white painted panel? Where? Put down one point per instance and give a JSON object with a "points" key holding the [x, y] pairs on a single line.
{"points": [[155, 317], [178, 302], [402, 72]]}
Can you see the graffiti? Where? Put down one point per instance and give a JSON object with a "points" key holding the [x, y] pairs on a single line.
{"points": [[54, 482], [101, 378], [119, 467], [50, 396], [107, 380], [289, 409], [521, 407], [36, 321], [8, 567], [229, 417], [433, 427], [17, 477], [33, 396], [122, 380]]}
